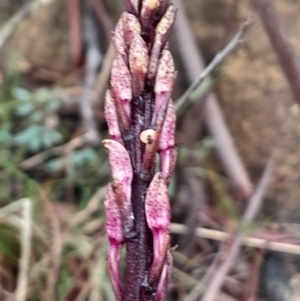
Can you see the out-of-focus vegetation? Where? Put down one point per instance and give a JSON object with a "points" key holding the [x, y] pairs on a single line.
{"points": [[54, 171]]}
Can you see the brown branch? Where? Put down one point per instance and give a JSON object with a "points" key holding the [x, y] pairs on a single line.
{"points": [[75, 30], [214, 63], [281, 46], [271, 244], [214, 119]]}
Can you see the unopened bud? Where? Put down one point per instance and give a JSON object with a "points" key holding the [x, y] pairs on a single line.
{"points": [[149, 9], [120, 164], [166, 139], [114, 227], [157, 204], [163, 31], [164, 27], [132, 27], [138, 62], [167, 152], [158, 216], [111, 117], [118, 39], [126, 211], [121, 86], [164, 82]]}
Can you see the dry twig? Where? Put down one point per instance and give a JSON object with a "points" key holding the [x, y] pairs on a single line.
{"points": [[75, 31], [72, 144], [214, 63], [22, 282], [248, 241]]}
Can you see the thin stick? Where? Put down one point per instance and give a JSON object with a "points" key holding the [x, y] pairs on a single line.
{"points": [[72, 144], [22, 283], [212, 112], [236, 40], [281, 46], [248, 241]]}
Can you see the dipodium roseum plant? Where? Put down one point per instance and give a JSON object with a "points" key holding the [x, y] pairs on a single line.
{"points": [[141, 123]]}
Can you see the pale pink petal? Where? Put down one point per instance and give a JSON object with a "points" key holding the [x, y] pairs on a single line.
{"points": [[120, 164], [111, 117], [149, 9], [114, 227], [118, 39], [157, 204], [138, 62], [163, 31], [121, 85], [131, 27], [166, 139], [164, 82]]}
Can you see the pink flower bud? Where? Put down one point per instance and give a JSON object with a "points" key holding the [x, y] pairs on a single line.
{"points": [[114, 227], [120, 164], [138, 62], [165, 276], [163, 31], [121, 86], [166, 139], [166, 149], [149, 8], [157, 205], [158, 216], [132, 27], [118, 39], [164, 82], [111, 117]]}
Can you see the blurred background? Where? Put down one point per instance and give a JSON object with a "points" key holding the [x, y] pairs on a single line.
{"points": [[238, 131]]}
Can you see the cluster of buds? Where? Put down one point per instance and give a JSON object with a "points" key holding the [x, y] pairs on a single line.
{"points": [[141, 122]]}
